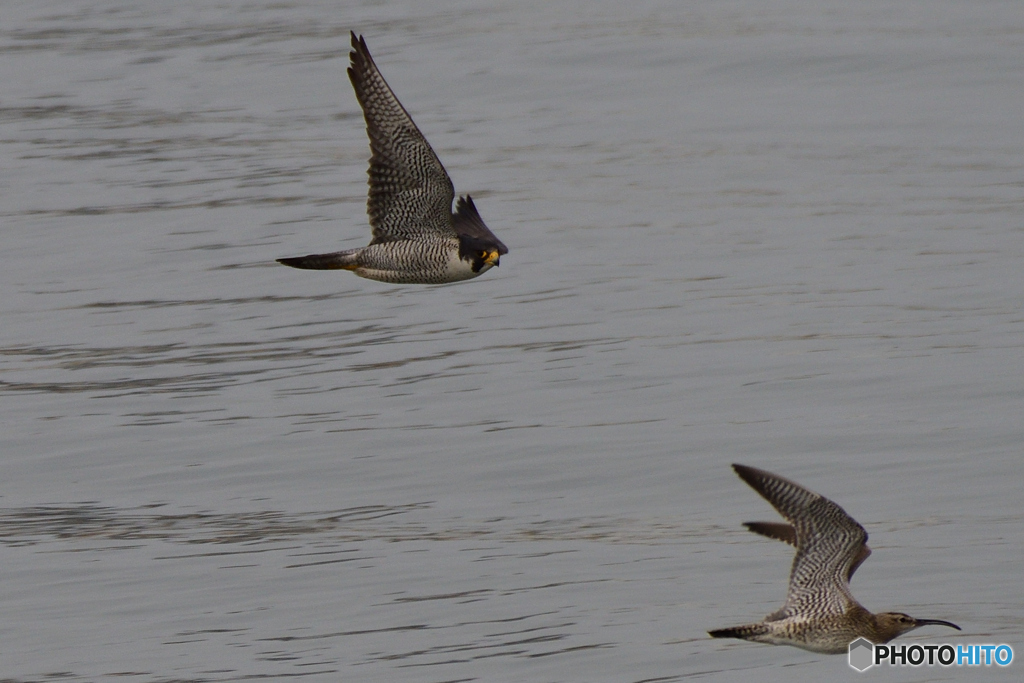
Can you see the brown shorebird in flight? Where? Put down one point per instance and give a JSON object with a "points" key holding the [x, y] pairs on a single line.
{"points": [[820, 614], [417, 239]]}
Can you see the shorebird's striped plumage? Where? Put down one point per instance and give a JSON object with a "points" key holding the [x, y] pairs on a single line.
{"points": [[417, 239], [820, 613]]}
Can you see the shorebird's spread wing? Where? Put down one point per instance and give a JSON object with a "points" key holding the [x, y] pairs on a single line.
{"points": [[410, 192], [830, 544], [776, 530], [787, 534]]}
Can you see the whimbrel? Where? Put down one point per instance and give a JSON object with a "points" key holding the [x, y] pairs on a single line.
{"points": [[820, 614], [417, 239]]}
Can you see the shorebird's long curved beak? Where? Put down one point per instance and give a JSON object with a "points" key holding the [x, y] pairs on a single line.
{"points": [[938, 622]]}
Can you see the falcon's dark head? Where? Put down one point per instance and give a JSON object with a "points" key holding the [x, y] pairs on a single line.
{"points": [[480, 253], [477, 244]]}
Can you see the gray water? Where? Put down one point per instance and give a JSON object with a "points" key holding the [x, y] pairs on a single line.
{"points": [[786, 234]]}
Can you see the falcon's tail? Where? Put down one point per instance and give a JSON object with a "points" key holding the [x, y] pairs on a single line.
{"points": [[339, 260]]}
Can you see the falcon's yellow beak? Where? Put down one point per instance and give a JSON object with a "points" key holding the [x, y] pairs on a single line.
{"points": [[491, 257]]}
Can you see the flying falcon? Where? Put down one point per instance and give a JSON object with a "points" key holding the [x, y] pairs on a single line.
{"points": [[416, 237]]}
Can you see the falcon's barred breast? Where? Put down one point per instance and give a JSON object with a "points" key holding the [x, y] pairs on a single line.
{"points": [[417, 239]]}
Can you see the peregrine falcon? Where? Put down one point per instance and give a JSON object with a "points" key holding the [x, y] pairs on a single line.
{"points": [[416, 237]]}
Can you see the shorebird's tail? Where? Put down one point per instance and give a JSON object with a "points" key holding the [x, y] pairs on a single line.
{"points": [[745, 632]]}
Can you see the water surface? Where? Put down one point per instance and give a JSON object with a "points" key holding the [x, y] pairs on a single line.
{"points": [[786, 234]]}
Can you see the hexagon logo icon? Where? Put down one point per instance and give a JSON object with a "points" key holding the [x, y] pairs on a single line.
{"points": [[862, 654]]}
